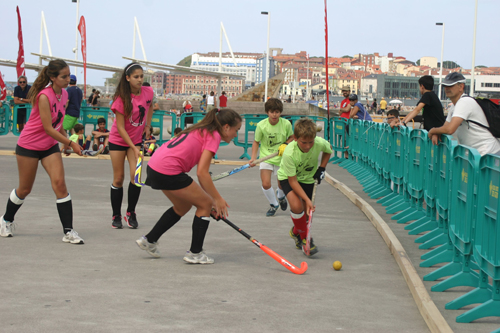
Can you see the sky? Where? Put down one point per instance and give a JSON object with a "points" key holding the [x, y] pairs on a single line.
{"points": [[172, 30]]}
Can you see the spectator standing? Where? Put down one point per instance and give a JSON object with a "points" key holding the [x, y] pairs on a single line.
{"points": [[203, 104], [345, 106], [91, 98], [374, 106], [223, 100], [75, 96], [430, 103], [21, 97], [357, 109], [211, 102], [462, 118], [383, 106]]}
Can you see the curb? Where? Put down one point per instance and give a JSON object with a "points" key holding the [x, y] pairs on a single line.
{"points": [[431, 314]]}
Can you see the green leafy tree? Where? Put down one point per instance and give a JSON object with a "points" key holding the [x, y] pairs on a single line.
{"points": [[185, 62]]}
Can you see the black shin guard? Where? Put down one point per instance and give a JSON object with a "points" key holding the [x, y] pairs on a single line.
{"points": [[13, 205], [65, 210], [200, 227], [166, 221], [116, 199], [134, 192]]}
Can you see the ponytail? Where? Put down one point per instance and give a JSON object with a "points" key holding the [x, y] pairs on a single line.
{"points": [[51, 70], [215, 120]]}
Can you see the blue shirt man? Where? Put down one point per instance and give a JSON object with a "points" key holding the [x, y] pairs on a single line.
{"points": [[75, 96]]}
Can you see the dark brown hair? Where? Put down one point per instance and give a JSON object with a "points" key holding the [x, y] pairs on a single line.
{"points": [[51, 70], [123, 89], [215, 120], [273, 104]]}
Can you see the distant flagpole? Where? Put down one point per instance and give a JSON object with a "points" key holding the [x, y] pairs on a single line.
{"points": [[327, 82], [20, 54]]}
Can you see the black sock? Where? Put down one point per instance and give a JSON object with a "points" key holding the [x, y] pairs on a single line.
{"points": [[13, 205], [134, 192], [166, 221], [116, 199], [65, 210], [200, 227]]}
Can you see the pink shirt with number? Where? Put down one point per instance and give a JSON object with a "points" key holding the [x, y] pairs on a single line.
{"points": [[33, 136], [135, 124], [181, 154]]}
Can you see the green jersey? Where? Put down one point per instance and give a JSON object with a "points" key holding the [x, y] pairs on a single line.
{"points": [[271, 137], [303, 165]]}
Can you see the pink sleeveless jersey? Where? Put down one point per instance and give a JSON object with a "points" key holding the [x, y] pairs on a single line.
{"points": [[137, 121], [181, 154], [33, 136]]}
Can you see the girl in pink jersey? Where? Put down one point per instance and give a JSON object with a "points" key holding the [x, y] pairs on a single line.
{"points": [[40, 141], [133, 108], [167, 171]]}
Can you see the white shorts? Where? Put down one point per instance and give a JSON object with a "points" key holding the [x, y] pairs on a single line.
{"points": [[269, 166]]}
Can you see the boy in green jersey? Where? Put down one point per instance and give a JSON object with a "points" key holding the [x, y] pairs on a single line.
{"points": [[272, 134], [296, 175]]}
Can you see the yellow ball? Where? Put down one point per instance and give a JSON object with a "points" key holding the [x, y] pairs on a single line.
{"points": [[337, 265]]}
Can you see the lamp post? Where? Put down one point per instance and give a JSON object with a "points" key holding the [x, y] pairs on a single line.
{"points": [[441, 67], [473, 55], [267, 52], [76, 37]]}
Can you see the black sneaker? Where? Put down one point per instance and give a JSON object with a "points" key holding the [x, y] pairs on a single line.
{"points": [[282, 201], [117, 222], [272, 211], [296, 238], [312, 250], [131, 220], [94, 147], [106, 150]]}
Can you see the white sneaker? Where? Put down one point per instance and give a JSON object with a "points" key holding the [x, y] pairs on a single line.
{"points": [[6, 228], [198, 258], [72, 237], [148, 247]]}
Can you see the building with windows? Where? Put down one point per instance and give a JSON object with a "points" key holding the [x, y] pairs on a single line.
{"points": [[244, 64], [260, 70], [192, 84]]}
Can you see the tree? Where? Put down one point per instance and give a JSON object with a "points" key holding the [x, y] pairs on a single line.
{"points": [[450, 64], [418, 63], [113, 81], [347, 56], [185, 62]]}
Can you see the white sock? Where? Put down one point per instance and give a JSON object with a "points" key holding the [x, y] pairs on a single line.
{"points": [[269, 193], [281, 194]]}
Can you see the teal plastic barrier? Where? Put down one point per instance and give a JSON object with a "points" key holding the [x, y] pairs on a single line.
{"points": [[90, 115], [15, 130], [486, 247], [196, 118], [4, 119], [157, 122], [293, 120], [251, 121], [462, 219], [338, 139]]}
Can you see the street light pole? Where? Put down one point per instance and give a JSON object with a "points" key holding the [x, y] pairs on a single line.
{"points": [[76, 33], [473, 55], [441, 67], [267, 52]]}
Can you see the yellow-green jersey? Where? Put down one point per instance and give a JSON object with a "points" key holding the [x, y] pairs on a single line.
{"points": [[271, 137], [294, 162]]}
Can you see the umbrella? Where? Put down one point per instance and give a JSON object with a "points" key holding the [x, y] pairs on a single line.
{"points": [[395, 101]]}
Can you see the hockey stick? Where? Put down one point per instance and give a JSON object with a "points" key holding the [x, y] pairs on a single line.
{"points": [[307, 250], [243, 167], [87, 152], [138, 167], [271, 253]]}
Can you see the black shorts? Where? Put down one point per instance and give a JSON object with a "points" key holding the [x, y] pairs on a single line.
{"points": [[40, 154], [159, 181], [308, 188], [113, 146], [21, 116]]}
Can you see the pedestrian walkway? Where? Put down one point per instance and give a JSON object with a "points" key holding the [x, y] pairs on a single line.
{"points": [[110, 285]]}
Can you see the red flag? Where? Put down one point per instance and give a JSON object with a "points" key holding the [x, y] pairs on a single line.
{"points": [[83, 37], [20, 53], [327, 76], [3, 88]]}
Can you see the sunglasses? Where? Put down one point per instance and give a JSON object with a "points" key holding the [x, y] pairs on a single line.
{"points": [[22, 81]]}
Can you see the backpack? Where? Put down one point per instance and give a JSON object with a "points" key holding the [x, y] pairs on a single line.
{"points": [[492, 114]]}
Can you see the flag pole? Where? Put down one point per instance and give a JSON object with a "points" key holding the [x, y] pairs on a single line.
{"points": [[327, 77]]}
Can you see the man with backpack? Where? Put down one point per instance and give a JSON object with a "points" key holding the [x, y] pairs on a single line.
{"points": [[467, 118]]}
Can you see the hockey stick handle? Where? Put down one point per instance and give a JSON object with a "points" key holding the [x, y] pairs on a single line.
{"points": [[243, 167], [263, 159], [314, 191], [292, 268]]}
